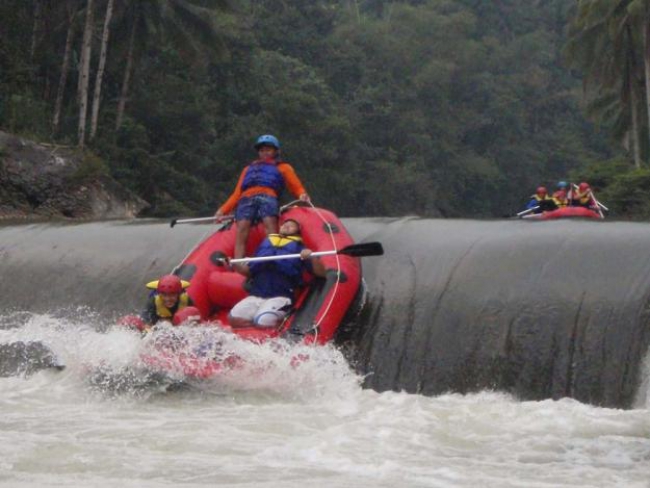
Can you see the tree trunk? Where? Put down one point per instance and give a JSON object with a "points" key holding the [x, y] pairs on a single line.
{"points": [[100, 69], [636, 136], [38, 11], [646, 62], [629, 95], [65, 66], [84, 73], [353, 5], [356, 9], [127, 76]]}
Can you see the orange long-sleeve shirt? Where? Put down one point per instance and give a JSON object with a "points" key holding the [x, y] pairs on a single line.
{"points": [[291, 181]]}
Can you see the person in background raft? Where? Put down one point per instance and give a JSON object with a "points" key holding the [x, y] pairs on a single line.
{"points": [[257, 191], [273, 283], [581, 196], [540, 201], [560, 195], [166, 300]]}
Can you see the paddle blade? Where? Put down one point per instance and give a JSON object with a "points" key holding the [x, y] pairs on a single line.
{"points": [[173, 223], [363, 249]]}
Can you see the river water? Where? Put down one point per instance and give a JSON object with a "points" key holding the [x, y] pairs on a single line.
{"points": [[287, 425]]}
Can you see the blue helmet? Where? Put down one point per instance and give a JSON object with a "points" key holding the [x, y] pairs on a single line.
{"points": [[562, 184], [267, 140]]}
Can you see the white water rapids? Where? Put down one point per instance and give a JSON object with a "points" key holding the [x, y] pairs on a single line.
{"points": [[287, 425]]}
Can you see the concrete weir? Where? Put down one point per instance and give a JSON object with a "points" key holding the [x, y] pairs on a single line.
{"points": [[539, 309]]}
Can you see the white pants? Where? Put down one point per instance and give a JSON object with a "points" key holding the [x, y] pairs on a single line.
{"points": [[263, 312]]}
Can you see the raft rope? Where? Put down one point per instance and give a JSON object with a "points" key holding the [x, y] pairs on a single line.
{"points": [[328, 225]]}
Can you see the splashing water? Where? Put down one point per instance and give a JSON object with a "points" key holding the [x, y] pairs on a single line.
{"points": [[85, 345], [284, 422]]}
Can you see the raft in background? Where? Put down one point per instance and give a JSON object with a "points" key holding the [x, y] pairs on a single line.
{"points": [[565, 213]]}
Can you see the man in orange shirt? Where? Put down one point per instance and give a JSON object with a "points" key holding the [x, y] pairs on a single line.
{"points": [[257, 191]]}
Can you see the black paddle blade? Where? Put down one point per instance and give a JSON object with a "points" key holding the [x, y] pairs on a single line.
{"points": [[363, 249], [173, 223]]}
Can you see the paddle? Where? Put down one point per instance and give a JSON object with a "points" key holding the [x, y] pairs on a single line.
{"points": [[527, 211], [599, 206], [200, 219], [598, 203], [354, 250]]}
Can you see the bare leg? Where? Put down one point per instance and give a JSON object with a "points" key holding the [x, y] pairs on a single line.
{"points": [[243, 229], [270, 225]]}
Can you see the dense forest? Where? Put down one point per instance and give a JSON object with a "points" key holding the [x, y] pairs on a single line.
{"points": [[427, 107]]}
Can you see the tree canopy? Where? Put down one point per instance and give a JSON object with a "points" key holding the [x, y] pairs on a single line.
{"points": [[429, 107]]}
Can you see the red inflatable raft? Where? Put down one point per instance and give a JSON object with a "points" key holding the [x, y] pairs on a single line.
{"points": [[565, 213], [319, 308]]}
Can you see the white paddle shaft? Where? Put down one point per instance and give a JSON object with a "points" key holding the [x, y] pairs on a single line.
{"points": [[281, 256]]}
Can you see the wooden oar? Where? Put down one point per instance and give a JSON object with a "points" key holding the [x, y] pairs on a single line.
{"points": [[355, 250], [201, 219]]}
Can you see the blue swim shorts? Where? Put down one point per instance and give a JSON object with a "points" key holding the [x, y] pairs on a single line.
{"points": [[257, 207]]}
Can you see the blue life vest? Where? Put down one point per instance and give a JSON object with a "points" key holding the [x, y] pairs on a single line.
{"points": [[278, 278], [536, 201], [265, 174]]}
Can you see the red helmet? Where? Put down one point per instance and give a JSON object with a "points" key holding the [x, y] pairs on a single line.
{"points": [[542, 190], [583, 187], [170, 284]]}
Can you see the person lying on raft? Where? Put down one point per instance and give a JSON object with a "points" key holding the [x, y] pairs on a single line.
{"points": [[273, 283], [258, 189]]}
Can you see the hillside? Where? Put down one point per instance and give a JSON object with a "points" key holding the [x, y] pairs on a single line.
{"points": [[46, 181], [430, 107]]}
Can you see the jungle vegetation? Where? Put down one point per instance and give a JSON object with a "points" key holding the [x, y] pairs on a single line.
{"points": [[430, 107]]}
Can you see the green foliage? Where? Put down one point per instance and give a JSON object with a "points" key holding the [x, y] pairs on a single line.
{"points": [[25, 114], [90, 168], [607, 43], [622, 188], [628, 194], [602, 174], [428, 107]]}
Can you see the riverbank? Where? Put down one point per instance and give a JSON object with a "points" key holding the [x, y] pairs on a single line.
{"points": [[44, 181]]}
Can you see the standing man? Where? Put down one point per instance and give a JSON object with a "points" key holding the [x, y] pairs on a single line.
{"points": [[258, 189]]}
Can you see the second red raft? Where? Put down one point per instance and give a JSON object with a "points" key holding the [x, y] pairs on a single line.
{"points": [[565, 213]]}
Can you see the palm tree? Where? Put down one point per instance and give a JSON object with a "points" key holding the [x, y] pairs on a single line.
{"points": [[102, 65], [38, 19], [84, 72], [638, 12], [71, 15], [604, 44], [184, 21]]}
